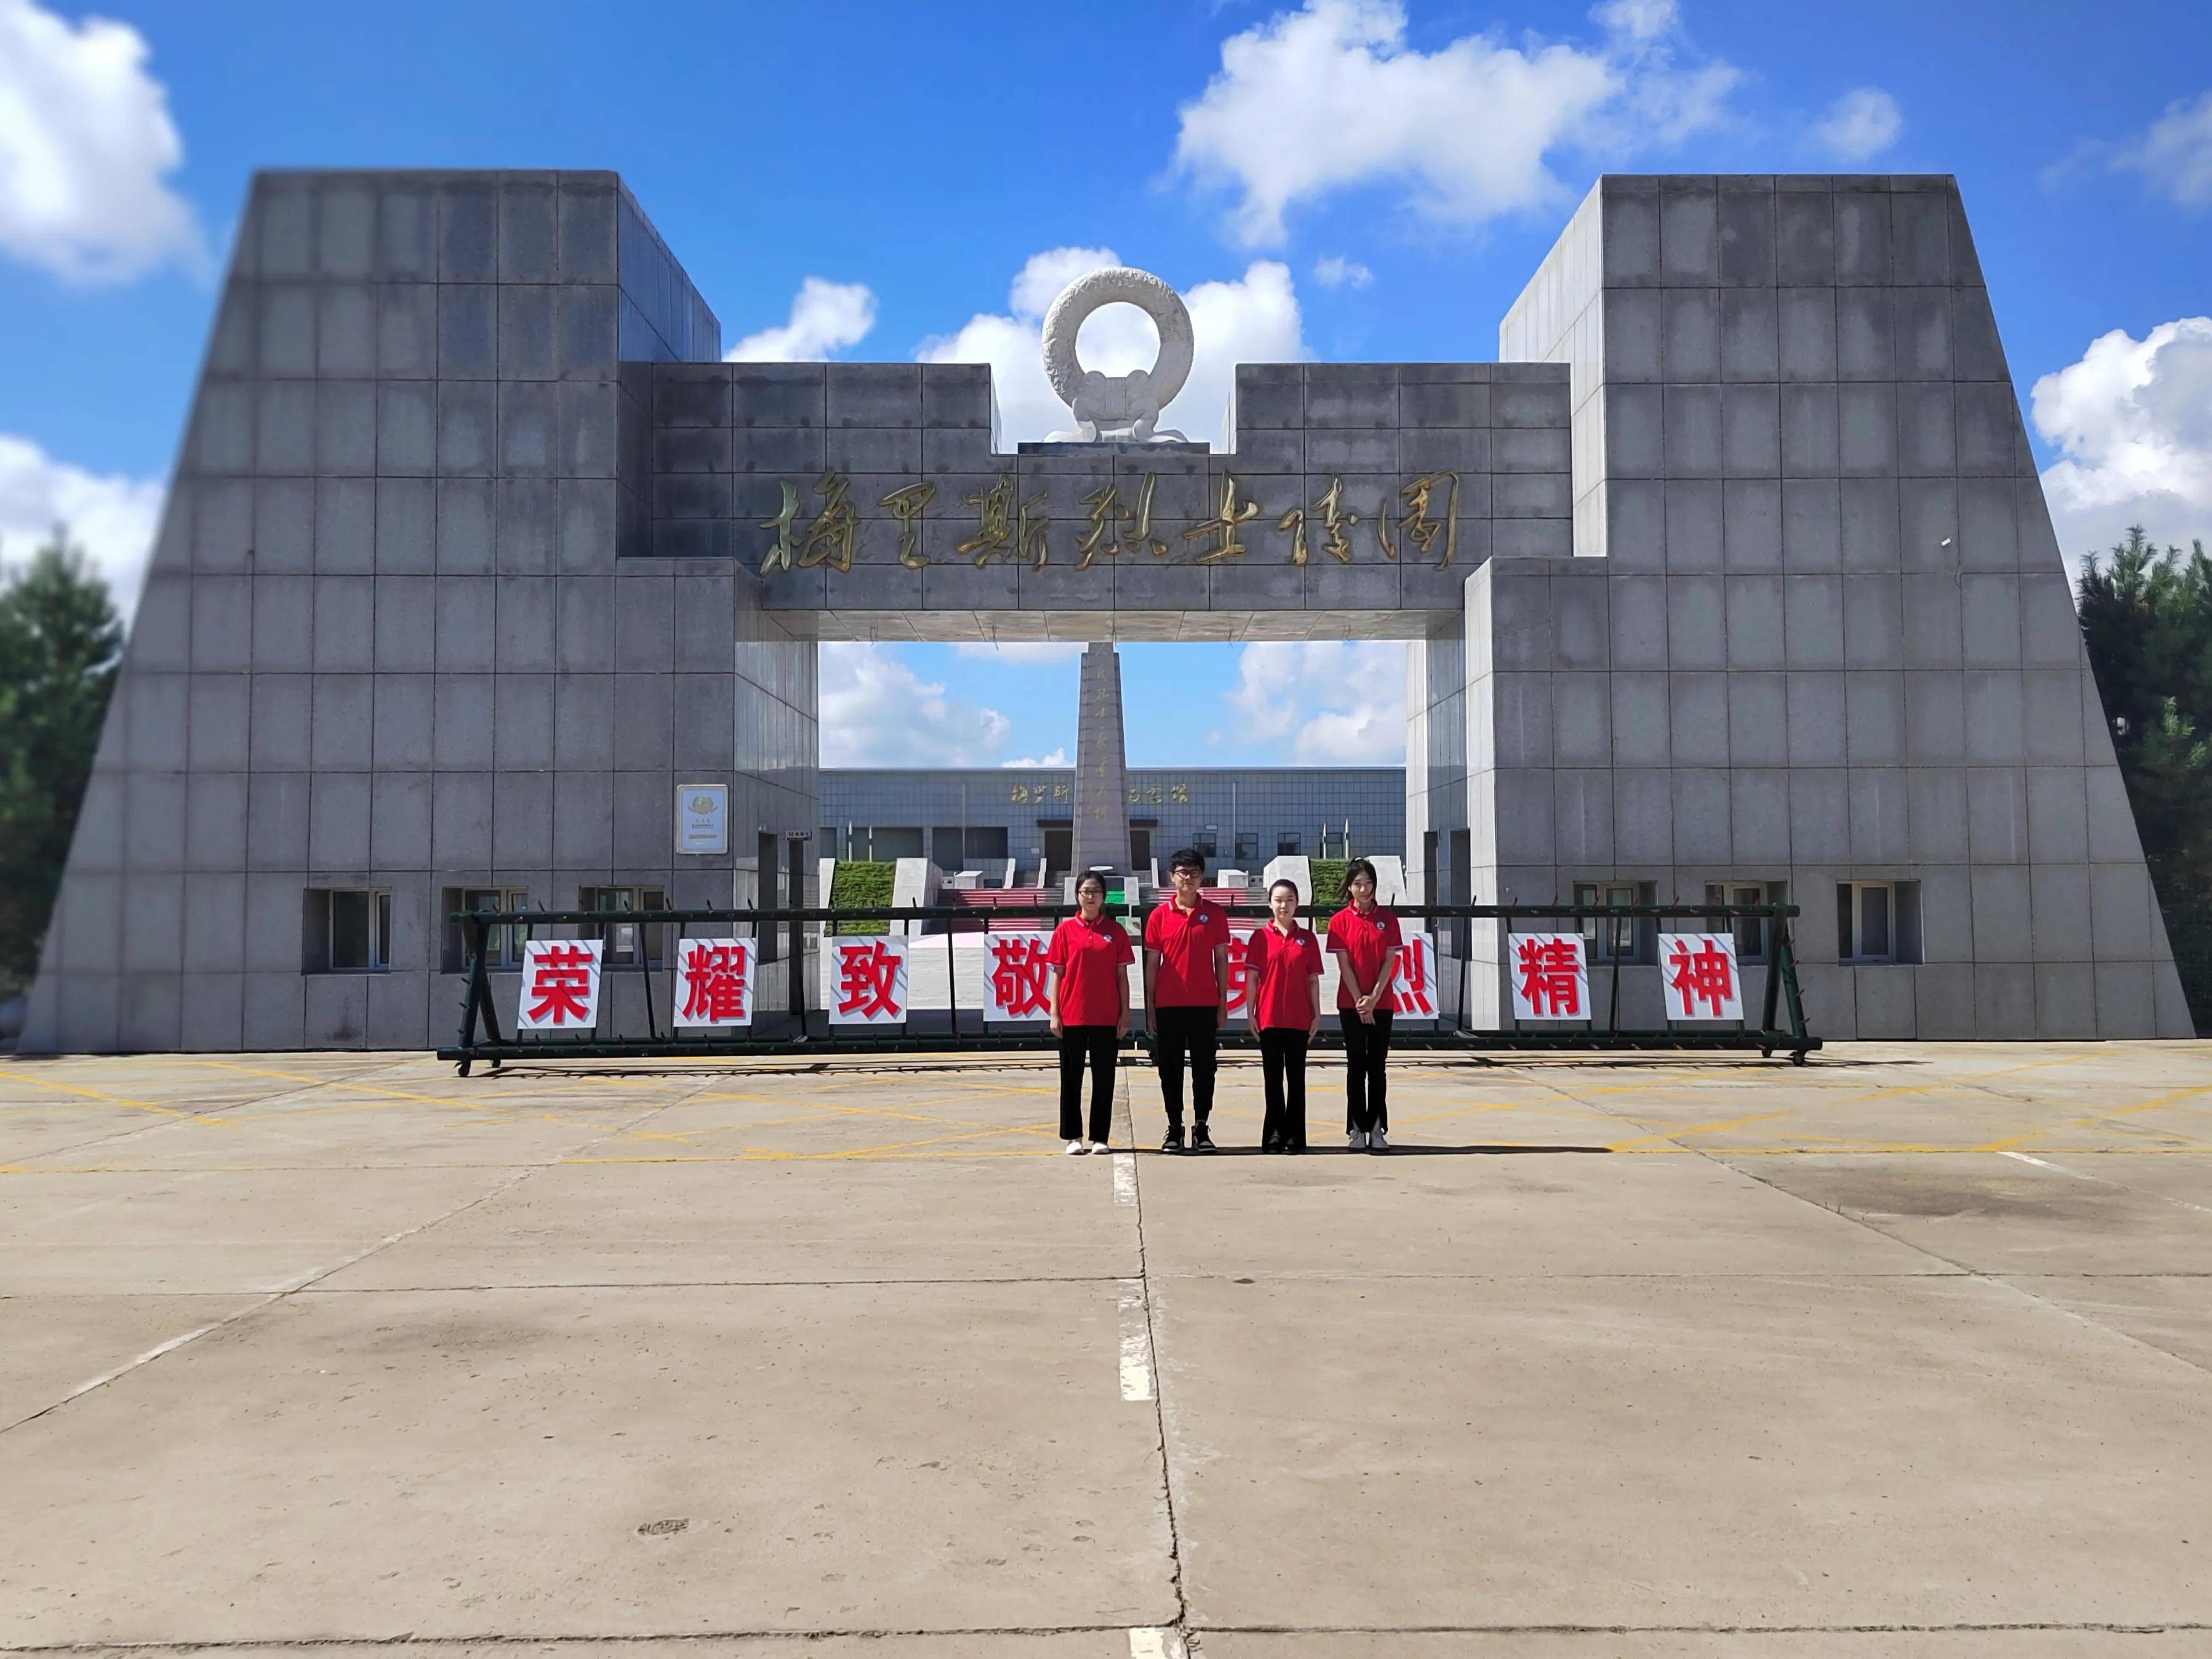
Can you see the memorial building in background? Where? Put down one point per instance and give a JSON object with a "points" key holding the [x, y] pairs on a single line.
{"points": [[483, 581]]}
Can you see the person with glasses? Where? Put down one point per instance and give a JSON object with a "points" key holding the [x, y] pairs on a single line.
{"points": [[1284, 961], [1365, 939], [1090, 955], [1186, 988]]}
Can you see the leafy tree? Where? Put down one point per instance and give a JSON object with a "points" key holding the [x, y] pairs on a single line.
{"points": [[2145, 618], [59, 647]]}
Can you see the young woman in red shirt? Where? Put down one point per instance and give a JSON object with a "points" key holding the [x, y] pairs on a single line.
{"points": [[1090, 954], [1365, 939], [1284, 960]]}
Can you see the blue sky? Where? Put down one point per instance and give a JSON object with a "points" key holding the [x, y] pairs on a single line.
{"points": [[1345, 180]]}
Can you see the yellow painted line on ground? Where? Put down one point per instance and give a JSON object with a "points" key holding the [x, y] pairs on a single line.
{"points": [[1696, 1129], [489, 1110], [2159, 1104], [829, 1106], [133, 1105], [859, 1154]]}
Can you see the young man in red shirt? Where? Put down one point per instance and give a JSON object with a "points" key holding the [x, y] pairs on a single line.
{"points": [[1186, 988]]}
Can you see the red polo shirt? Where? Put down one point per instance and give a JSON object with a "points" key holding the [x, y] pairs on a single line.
{"points": [[1186, 940], [1364, 939], [1282, 965], [1090, 956]]}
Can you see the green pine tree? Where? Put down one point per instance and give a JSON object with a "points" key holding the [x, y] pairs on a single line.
{"points": [[59, 646], [2146, 616]]}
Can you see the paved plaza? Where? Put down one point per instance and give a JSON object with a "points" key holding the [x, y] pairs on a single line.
{"points": [[1908, 1352]]}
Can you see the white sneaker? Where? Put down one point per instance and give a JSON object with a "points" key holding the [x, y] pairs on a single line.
{"points": [[1356, 1141], [1378, 1142], [1076, 1148], [1097, 1147]]}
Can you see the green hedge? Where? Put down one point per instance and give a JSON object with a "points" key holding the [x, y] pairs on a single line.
{"points": [[1328, 887], [858, 882]]}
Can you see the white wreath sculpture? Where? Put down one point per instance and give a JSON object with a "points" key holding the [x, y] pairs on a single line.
{"points": [[1121, 406]]}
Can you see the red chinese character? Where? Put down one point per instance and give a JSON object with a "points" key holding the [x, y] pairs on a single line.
{"points": [[1413, 979], [562, 985], [1018, 975], [1550, 983], [1701, 974], [1240, 972], [867, 979], [714, 981]]}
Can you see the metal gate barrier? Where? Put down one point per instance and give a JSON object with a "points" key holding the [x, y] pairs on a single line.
{"points": [[1780, 1029]]}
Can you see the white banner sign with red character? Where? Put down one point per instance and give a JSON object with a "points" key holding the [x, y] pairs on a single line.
{"points": [[1698, 973], [714, 981], [559, 986], [1415, 987], [1550, 980], [1239, 1005], [867, 981], [1017, 980]]}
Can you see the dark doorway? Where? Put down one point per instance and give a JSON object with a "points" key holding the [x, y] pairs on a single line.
{"points": [[1059, 848]]}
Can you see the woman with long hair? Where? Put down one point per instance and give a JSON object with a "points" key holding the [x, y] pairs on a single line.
{"points": [[1365, 939], [1284, 961], [1090, 954]]}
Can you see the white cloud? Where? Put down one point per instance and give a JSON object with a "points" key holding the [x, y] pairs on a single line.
{"points": [[2132, 422], [825, 317], [85, 148], [2175, 153], [1336, 701], [1252, 320], [1053, 758], [1337, 271], [112, 517], [1639, 19], [1023, 651], [1331, 95], [877, 711], [1862, 123]]}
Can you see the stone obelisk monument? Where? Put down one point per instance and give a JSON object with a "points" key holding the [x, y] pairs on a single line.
{"points": [[1122, 408], [1101, 774]]}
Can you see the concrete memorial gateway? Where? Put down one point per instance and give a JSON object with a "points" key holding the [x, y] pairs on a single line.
{"points": [[1734, 576]]}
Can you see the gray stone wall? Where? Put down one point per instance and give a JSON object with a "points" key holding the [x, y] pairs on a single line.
{"points": [[461, 573], [1830, 637], [385, 642]]}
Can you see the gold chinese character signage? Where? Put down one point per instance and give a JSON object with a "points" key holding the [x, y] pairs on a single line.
{"points": [[1116, 521]]}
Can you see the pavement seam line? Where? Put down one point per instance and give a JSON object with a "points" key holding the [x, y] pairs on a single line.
{"points": [[1152, 1337], [1963, 1268], [292, 1287], [501, 1639], [300, 1283]]}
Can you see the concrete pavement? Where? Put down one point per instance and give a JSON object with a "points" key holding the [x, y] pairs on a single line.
{"points": [[1908, 1352]]}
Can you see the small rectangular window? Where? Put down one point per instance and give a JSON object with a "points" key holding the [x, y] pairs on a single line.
{"points": [[503, 942], [626, 939], [1752, 933], [1286, 846], [1616, 938], [349, 930], [1877, 922]]}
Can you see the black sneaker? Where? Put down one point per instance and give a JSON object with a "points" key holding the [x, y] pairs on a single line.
{"points": [[1173, 1141], [1199, 1140]]}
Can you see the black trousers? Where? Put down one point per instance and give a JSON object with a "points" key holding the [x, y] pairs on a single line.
{"points": [[1177, 1032], [1366, 1097], [1283, 1069], [1095, 1045]]}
